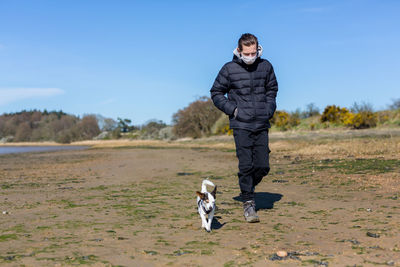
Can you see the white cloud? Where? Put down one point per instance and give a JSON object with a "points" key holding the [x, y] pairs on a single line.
{"points": [[8, 95]]}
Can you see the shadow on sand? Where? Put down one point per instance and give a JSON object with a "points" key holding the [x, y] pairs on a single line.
{"points": [[264, 200], [215, 224]]}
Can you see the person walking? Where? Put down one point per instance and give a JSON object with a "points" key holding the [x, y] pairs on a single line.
{"points": [[251, 86]]}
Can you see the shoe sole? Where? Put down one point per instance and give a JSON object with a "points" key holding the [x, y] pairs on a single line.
{"points": [[252, 220]]}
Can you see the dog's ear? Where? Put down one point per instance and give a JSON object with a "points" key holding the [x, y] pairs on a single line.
{"points": [[201, 195], [214, 192]]}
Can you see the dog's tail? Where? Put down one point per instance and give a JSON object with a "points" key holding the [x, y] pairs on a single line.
{"points": [[205, 183]]}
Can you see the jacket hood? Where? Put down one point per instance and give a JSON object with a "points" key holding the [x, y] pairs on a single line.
{"points": [[238, 57]]}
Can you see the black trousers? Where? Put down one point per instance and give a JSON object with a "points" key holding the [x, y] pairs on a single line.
{"points": [[252, 151]]}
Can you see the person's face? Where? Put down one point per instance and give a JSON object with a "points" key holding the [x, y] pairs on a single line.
{"points": [[249, 51]]}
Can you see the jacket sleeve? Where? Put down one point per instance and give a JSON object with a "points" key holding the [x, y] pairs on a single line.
{"points": [[218, 91], [272, 89]]}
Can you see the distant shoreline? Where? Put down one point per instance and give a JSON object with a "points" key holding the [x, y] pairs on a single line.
{"points": [[5, 150]]}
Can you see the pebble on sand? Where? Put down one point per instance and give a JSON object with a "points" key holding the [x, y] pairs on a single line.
{"points": [[281, 253]]}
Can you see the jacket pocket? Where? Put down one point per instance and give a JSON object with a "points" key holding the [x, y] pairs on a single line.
{"points": [[267, 111], [242, 115]]}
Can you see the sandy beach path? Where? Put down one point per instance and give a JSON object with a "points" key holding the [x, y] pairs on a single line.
{"points": [[136, 207]]}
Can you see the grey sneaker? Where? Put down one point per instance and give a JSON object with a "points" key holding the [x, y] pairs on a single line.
{"points": [[250, 214]]}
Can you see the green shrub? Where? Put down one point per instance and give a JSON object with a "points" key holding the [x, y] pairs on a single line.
{"points": [[197, 119], [63, 137], [294, 119], [221, 126], [166, 133]]}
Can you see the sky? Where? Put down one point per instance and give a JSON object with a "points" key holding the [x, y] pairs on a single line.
{"points": [[145, 60]]}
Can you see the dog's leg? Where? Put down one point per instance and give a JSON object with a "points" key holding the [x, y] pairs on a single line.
{"points": [[203, 220], [210, 218]]}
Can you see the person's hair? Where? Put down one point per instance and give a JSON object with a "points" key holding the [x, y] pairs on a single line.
{"points": [[247, 39]]}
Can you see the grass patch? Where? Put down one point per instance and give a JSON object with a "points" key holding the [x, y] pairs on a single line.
{"points": [[322, 212], [229, 264], [7, 237], [199, 244], [358, 166], [19, 228], [43, 227], [6, 186], [100, 187], [293, 203]]}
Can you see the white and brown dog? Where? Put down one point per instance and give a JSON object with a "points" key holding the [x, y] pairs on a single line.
{"points": [[206, 204]]}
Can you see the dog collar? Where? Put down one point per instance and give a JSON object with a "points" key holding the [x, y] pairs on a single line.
{"points": [[200, 203]]}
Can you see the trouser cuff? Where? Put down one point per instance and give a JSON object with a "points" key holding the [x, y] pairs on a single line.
{"points": [[247, 196]]}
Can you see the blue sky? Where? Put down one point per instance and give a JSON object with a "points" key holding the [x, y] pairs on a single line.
{"points": [[145, 60]]}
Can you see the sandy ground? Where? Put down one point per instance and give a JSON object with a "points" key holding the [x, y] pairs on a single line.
{"points": [[328, 201]]}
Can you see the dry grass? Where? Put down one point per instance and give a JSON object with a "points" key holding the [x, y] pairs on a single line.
{"points": [[363, 143], [357, 147]]}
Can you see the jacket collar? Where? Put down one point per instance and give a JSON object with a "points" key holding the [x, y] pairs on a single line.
{"points": [[244, 65], [236, 57]]}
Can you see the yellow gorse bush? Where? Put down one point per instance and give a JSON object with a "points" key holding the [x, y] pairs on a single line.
{"points": [[335, 114], [338, 115], [348, 118], [332, 115], [281, 119], [365, 119], [227, 130], [284, 120]]}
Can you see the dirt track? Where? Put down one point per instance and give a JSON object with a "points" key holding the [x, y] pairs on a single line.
{"points": [[326, 203]]}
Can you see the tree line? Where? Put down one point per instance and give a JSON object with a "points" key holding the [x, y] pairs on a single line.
{"points": [[37, 126]]}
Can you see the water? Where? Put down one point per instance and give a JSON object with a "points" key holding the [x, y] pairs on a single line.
{"points": [[24, 149]]}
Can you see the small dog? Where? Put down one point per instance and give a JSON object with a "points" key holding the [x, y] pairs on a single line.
{"points": [[206, 204]]}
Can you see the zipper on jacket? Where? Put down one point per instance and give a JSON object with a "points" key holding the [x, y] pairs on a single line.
{"points": [[252, 94]]}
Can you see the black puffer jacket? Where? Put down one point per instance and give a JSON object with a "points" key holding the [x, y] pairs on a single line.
{"points": [[251, 89]]}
